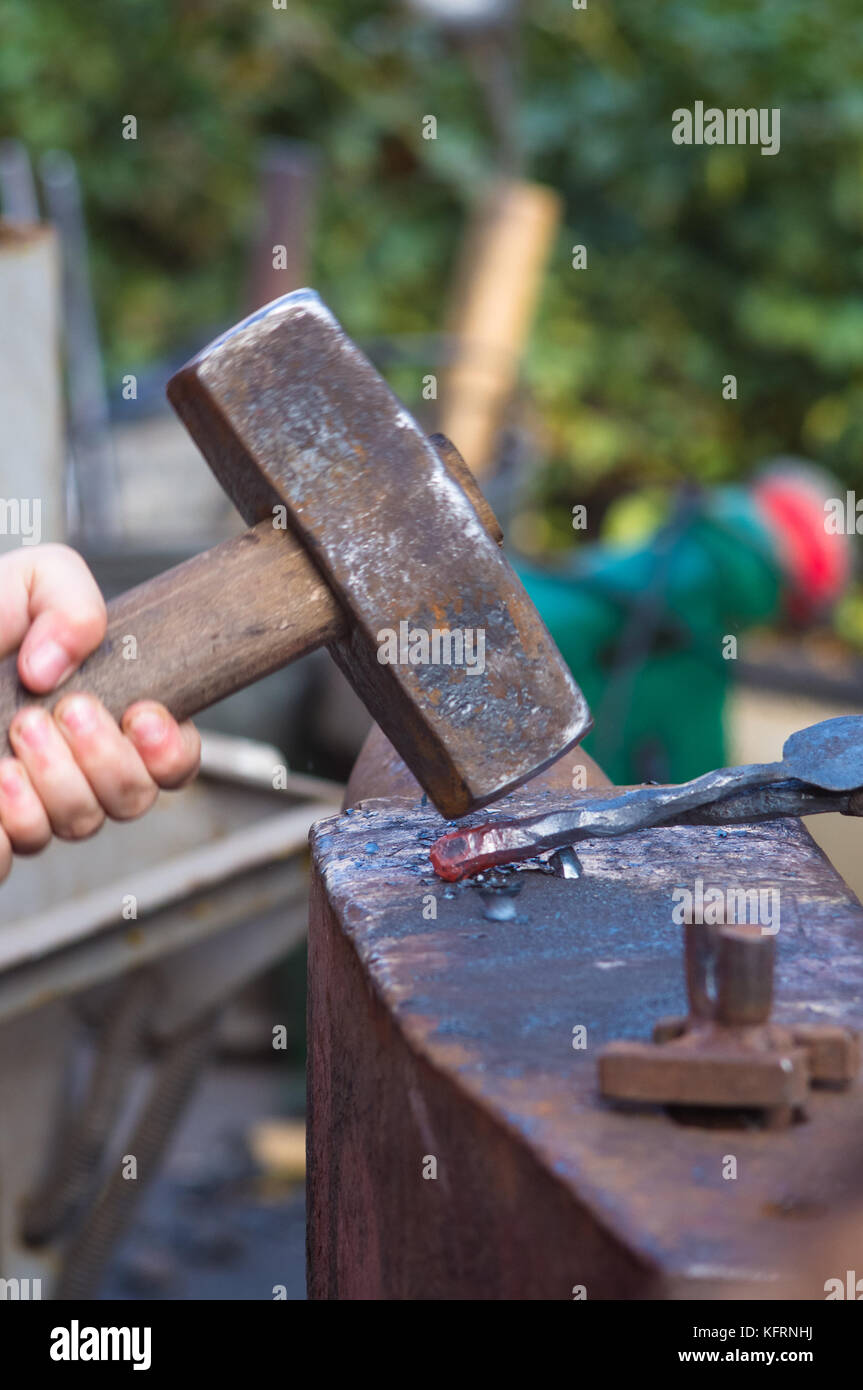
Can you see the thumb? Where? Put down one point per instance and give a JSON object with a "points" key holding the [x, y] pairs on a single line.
{"points": [[51, 605]]}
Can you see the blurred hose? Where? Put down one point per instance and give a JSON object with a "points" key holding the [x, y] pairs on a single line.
{"points": [[79, 1151], [176, 1073]]}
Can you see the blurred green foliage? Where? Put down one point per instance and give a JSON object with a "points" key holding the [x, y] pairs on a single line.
{"points": [[702, 261]]}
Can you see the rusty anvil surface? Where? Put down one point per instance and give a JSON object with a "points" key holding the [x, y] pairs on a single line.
{"points": [[453, 1038]]}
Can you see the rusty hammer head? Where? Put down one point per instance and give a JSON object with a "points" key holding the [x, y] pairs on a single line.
{"points": [[443, 644]]}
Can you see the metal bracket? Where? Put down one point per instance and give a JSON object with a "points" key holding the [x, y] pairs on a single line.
{"points": [[726, 1053]]}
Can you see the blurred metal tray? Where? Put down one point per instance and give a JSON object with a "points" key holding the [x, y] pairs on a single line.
{"points": [[228, 848]]}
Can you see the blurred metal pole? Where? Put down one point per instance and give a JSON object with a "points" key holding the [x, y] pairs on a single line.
{"points": [[509, 240], [487, 33], [32, 502], [96, 488], [18, 201], [288, 185]]}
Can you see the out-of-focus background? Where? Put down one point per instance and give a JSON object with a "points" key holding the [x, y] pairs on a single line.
{"points": [[651, 355]]}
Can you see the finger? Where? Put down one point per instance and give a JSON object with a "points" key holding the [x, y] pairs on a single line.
{"points": [[61, 786], [52, 607], [110, 763], [5, 855], [171, 752], [22, 814]]}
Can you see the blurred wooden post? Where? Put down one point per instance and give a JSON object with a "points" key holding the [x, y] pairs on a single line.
{"points": [[495, 294], [31, 439]]}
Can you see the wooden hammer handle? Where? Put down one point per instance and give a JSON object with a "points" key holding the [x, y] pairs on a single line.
{"points": [[202, 630]]}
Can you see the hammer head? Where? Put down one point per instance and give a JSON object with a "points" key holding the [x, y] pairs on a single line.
{"points": [[443, 645]]}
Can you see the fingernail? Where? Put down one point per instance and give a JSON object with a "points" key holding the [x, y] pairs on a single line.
{"points": [[80, 715], [49, 663], [11, 779], [148, 728], [32, 728]]}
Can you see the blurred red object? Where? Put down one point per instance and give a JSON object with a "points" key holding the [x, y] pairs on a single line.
{"points": [[792, 496]]}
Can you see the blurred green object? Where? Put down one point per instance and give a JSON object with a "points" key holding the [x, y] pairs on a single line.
{"points": [[650, 633], [849, 619]]}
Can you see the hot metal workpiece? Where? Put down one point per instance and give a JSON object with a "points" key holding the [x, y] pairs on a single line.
{"points": [[821, 770]]}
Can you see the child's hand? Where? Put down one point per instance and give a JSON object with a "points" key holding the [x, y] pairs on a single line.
{"points": [[75, 766]]}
